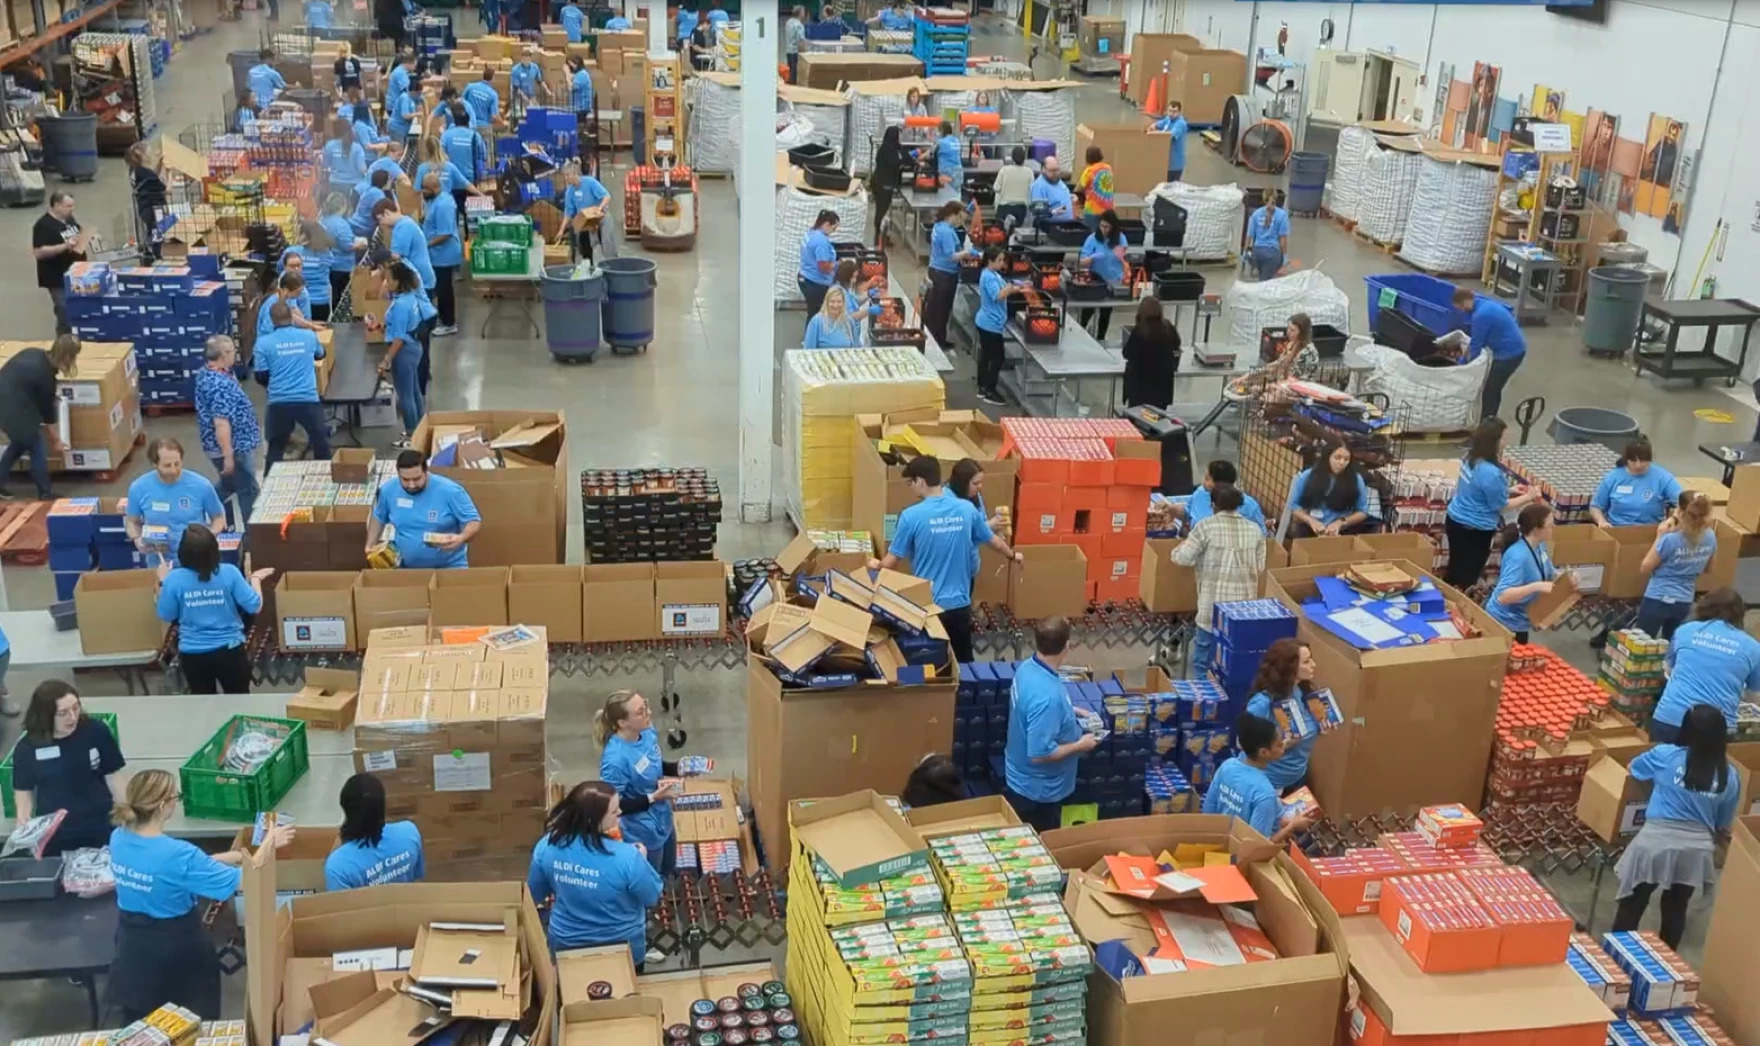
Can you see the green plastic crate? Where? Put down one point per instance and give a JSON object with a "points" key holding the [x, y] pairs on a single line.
{"points": [[506, 228], [9, 804], [498, 259], [220, 795]]}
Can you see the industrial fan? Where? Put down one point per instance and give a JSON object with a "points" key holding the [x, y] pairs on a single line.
{"points": [[1265, 146]]}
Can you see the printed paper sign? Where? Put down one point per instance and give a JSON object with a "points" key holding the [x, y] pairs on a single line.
{"points": [[378, 762], [314, 633], [683, 619], [461, 772]]}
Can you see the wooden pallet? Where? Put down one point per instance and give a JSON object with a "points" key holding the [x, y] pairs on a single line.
{"points": [[1426, 270], [109, 475], [24, 533], [1369, 241]]}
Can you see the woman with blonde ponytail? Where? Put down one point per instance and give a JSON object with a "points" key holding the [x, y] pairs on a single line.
{"points": [[1684, 546], [163, 953], [645, 783]]}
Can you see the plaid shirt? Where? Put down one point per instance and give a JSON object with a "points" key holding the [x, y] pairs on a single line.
{"points": [[1227, 551], [219, 394]]}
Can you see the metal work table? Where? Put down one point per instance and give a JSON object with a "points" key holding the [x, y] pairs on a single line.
{"points": [[1668, 361], [1729, 455], [65, 936], [534, 272], [37, 647], [1530, 276], [354, 377], [913, 215], [1047, 379]]}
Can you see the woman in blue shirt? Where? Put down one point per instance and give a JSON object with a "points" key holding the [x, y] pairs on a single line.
{"points": [[1695, 790], [168, 499], [164, 953], [1526, 571], [818, 261], [341, 234], [1103, 255], [585, 195], [1285, 672], [600, 887], [1242, 787], [1268, 237], [1711, 661], [991, 320], [66, 761], [207, 600], [400, 118], [914, 104], [370, 852], [1329, 498], [1636, 492], [1683, 549], [246, 112], [833, 327], [949, 164], [1481, 497], [631, 762], [946, 248], [405, 318], [310, 260], [345, 162], [580, 89]]}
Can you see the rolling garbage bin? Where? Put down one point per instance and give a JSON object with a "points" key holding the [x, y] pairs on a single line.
{"points": [[1307, 181], [70, 145], [1609, 428], [629, 303], [574, 295], [1615, 309]]}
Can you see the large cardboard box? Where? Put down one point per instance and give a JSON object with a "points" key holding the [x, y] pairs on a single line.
{"points": [[1438, 698], [1588, 550], [1746, 756], [617, 603], [1168, 588], [1744, 497], [1625, 580], [472, 596], [690, 598], [1052, 580], [524, 505], [548, 595], [1325, 550], [1612, 802], [1093, 29], [314, 610], [879, 492], [1138, 157], [390, 598], [1732, 948], [1203, 80], [830, 71], [117, 612], [327, 700], [299, 866], [1149, 53], [1721, 571]]}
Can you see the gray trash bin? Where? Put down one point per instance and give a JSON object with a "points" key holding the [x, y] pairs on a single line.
{"points": [[1307, 181], [1615, 308], [629, 303], [72, 141], [572, 305], [1609, 428]]}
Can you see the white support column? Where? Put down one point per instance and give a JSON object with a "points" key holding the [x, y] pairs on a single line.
{"points": [[757, 262]]}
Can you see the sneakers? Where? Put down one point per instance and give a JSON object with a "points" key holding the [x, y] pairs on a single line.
{"points": [[992, 398], [447, 331], [654, 955]]}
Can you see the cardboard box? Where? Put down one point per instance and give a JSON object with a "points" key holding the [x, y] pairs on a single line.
{"points": [[1588, 550], [299, 866], [1164, 586], [859, 838], [388, 598], [632, 1021], [1403, 544], [1612, 803], [351, 464], [962, 816], [471, 596], [690, 598], [580, 967], [1549, 608], [1149, 53], [618, 604], [879, 492], [1744, 497], [1732, 948], [1721, 571], [314, 610], [525, 509], [830, 71], [1093, 29], [1625, 580], [117, 612], [1203, 80], [547, 595], [327, 700], [677, 990], [1051, 580], [1138, 157]]}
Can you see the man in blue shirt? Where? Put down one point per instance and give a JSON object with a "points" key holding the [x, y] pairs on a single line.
{"points": [[433, 516], [398, 83], [937, 535], [1044, 736], [263, 80], [227, 425], [1243, 789], [583, 208], [1050, 190], [1491, 325], [523, 80], [373, 194], [286, 361], [1219, 473], [445, 252], [1174, 123], [572, 18], [484, 100], [464, 146], [403, 235]]}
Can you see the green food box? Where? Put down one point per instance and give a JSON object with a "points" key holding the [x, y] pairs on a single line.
{"points": [[212, 791], [9, 804]]}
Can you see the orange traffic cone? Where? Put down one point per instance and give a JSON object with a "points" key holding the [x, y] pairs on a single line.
{"points": [[1153, 103]]}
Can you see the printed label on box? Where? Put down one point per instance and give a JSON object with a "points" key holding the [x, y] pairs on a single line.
{"points": [[378, 762], [1120, 567], [1632, 817], [679, 619], [461, 772], [1047, 522], [1372, 892], [1120, 520], [1405, 925], [1589, 576], [314, 633], [81, 394]]}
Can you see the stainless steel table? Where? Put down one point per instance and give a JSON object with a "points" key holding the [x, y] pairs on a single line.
{"points": [[913, 215], [1047, 379], [37, 647], [931, 348]]}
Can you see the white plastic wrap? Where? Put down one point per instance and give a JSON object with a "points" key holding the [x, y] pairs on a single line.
{"points": [[1450, 215], [831, 124], [1248, 308], [792, 130], [869, 116], [1429, 399], [1050, 115], [1389, 178], [1344, 187], [795, 211], [1214, 214], [715, 109]]}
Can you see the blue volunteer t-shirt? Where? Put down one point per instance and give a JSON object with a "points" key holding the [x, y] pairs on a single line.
{"points": [[937, 535], [386, 164], [823, 335], [634, 769], [173, 505], [161, 877], [572, 17], [992, 310], [1677, 574], [580, 91], [1670, 798], [1480, 496], [1293, 765], [1268, 225], [342, 233], [301, 303], [600, 897], [1176, 149], [484, 100], [440, 219], [1710, 663], [1243, 790], [397, 859], [948, 163], [265, 82], [451, 178], [1523, 564], [1324, 512], [815, 249], [402, 114], [206, 612], [1494, 326], [362, 219], [524, 79], [943, 245], [1055, 195], [408, 243], [1200, 507], [1102, 261], [346, 162], [1040, 719], [441, 507], [464, 148], [288, 355], [1628, 500]]}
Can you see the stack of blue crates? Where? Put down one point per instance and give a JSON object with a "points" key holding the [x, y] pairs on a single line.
{"points": [[942, 49], [87, 534], [1243, 631], [1113, 775], [556, 130], [168, 311], [980, 717], [1189, 731]]}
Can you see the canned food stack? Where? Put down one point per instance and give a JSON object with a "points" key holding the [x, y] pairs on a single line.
{"points": [[1545, 701], [649, 515], [1566, 475], [761, 1014], [1633, 671]]}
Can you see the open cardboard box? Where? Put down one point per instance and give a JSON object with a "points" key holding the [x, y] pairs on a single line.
{"points": [[880, 491], [579, 968], [859, 838], [361, 1009], [1611, 802], [525, 509], [1588, 550], [327, 700], [964, 816], [1625, 580], [1168, 588], [678, 989], [314, 610], [633, 1021], [1732, 948]]}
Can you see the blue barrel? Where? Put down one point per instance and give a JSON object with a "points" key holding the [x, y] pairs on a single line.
{"points": [[573, 301], [1307, 181], [629, 302], [71, 141]]}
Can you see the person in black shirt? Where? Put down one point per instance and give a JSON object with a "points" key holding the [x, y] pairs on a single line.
{"points": [[66, 761], [149, 192], [1151, 355], [703, 45], [887, 177], [28, 409], [348, 69], [58, 242]]}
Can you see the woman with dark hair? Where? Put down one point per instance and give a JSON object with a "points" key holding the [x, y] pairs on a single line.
{"points": [[1151, 357], [1329, 497], [1711, 661], [1693, 799], [1636, 491], [408, 316], [1682, 550], [147, 186], [1103, 255], [946, 248], [1014, 187], [66, 761], [369, 851], [1526, 572], [885, 179], [600, 886], [991, 321], [934, 781], [966, 480], [818, 261], [205, 599], [345, 160], [1481, 497], [1286, 671], [30, 409]]}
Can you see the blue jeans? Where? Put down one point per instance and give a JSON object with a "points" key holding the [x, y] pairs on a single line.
{"points": [[1658, 620], [664, 858], [405, 378], [1266, 262], [38, 448], [1198, 658], [242, 484]]}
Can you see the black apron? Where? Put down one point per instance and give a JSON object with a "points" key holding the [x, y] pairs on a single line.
{"points": [[161, 961]]}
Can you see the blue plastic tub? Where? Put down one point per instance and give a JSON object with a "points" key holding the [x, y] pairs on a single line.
{"points": [[1425, 299]]}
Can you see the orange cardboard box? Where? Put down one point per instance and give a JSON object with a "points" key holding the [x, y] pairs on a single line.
{"points": [[1137, 463], [1033, 498], [1054, 471], [1045, 528], [1120, 590], [1091, 472], [1124, 543], [1350, 882], [1090, 546], [1091, 500], [1127, 497], [1365, 1029], [1535, 930], [1439, 923], [1119, 520]]}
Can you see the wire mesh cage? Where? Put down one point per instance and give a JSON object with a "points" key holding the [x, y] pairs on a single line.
{"points": [[1293, 424]]}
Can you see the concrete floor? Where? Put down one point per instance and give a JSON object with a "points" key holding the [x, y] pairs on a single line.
{"points": [[675, 405]]}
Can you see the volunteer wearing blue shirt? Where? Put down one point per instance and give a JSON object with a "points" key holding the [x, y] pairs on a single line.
{"points": [[8, 706], [631, 763], [1683, 549], [1329, 498], [1200, 506], [584, 194], [65, 760], [945, 252], [1103, 255], [263, 80], [1242, 787], [400, 118], [818, 261], [366, 132], [1481, 497], [164, 953], [169, 497], [572, 18], [949, 166], [398, 83], [290, 289], [1711, 661], [937, 535], [445, 250], [1174, 124], [1526, 571], [1051, 190], [464, 146], [835, 327], [896, 17], [523, 80], [286, 362], [991, 321], [345, 162], [1695, 792], [717, 17], [435, 517], [580, 88], [617, 24], [335, 222], [1491, 325], [403, 235], [1636, 492], [206, 599], [686, 24], [319, 14], [484, 100], [310, 261], [369, 851], [1045, 739], [372, 194], [599, 886], [246, 112], [406, 346], [1268, 237], [1286, 671]]}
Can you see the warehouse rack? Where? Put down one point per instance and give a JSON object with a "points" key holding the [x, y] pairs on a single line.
{"points": [[942, 41]]}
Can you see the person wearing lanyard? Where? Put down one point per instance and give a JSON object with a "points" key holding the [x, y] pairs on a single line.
{"points": [[945, 252], [1096, 186], [1045, 739], [1711, 661], [1526, 571], [345, 162], [599, 886], [1103, 255], [369, 851], [991, 320], [290, 291], [1694, 795], [572, 18], [631, 763], [525, 78], [286, 362], [1491, 324], [405, 347], [1329, 497], [66, 761], [1242, 787], [1286, 672], [937, 535], [1475, 513], [445, 251], [435, 517], [335, 222], [1268, 237], [1636, 492], [164, 953], [1683, 549], [834, 327], [464, 146], [585, 196], [1050, 190], [206, 600], [168, 499], [1174, 125], [818, 261], [949, 166], [1201, 505], [262, 78]]}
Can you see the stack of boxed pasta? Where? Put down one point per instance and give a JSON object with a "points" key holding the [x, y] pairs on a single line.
{"points": [[894, 938]]}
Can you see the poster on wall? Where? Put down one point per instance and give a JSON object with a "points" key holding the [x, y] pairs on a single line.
{"points": [[1503, 117], [1444, 81], [1662, 147], [1546, 104], [1675, 218], [1628, 156], [1454, 117], [1480, 105], [1600, 128]]}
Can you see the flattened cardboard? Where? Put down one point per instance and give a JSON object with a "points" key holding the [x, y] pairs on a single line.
{"points": [[859, 837], [632, 1021], [457, 955]]}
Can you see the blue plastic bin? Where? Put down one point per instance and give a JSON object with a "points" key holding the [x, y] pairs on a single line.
{"points": [[1425, 299]]}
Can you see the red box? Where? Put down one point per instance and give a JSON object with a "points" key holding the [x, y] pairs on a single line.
{"points": [[1122, 520], [1124, 543], [1119, 590], [1350, 882], [1090, 546], [1087, 499], [1363, 1028], [1439, 923], [1536, 930], [1138, 464], [1091, 472], [1127, 497], [1045, 528], [1033, 498], [1044, 470]]}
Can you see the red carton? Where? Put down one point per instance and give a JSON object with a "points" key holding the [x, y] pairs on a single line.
{"points": [[1449, 825], [1439, 923], [1350, 882], [1536, 930]]}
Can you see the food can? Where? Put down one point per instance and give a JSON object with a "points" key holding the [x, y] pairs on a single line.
{"points": [[703, 1008], [708, 1038], [782, 1015], [785, 1033], [729, 1004], [772, 987], [733, 1020], [735, 1037], [761, 1036], [752, 1002], [780, 1001], [748, 990], [678, 1033], [757, 1019], [599, 990], [706, 1024]]}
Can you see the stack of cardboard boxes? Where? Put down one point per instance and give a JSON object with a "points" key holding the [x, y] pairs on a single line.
{"points": [[312, 515], [885, 443], [99, 416], [167, 311]]}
